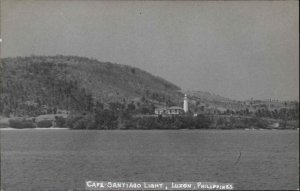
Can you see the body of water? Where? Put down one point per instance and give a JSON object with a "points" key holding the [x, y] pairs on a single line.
{"points": [[65, 159]]}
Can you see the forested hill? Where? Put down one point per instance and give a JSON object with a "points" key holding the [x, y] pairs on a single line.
{"points": [[70, 82]]}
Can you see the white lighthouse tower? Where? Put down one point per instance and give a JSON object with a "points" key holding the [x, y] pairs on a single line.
{"points": [[185, 104]]}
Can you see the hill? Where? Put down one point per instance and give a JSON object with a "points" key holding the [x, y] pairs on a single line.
{"points": [[71, 82]]}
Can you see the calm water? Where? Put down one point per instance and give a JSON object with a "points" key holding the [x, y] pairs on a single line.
{"points": [[64, 159]]}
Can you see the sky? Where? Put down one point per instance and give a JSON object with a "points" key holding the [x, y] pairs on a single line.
{"points": [[237, 49]]}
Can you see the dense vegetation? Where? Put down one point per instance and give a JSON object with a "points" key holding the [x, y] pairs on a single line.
{"points": [[110, 121], [39, 84], [291, 113], [282, 113]]}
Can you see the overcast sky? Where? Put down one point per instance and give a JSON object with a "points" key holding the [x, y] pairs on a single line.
{"points": [[232, 48]]}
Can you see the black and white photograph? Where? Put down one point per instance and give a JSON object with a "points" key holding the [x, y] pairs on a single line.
{"points": [[149, 95]]}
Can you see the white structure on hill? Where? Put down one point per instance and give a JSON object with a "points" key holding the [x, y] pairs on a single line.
{"points": [[185, 104], [174, 110]]}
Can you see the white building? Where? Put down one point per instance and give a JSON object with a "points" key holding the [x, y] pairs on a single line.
{"points": [[160, 111], [174, 110]]}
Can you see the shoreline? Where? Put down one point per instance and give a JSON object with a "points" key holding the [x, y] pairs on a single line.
{"points": [[53, 128], [58, 128]]}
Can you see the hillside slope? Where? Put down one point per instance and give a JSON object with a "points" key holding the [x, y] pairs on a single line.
{"points": [[70, 81], [204, 96]]}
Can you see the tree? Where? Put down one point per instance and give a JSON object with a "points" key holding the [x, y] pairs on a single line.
{"points": [[89, 102], [131, 107], [98, 107], [107, 119], [116, 106]]}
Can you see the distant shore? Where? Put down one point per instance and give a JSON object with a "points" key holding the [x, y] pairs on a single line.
{"points": [[53, 128], [63, 128], [85, 122]]}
